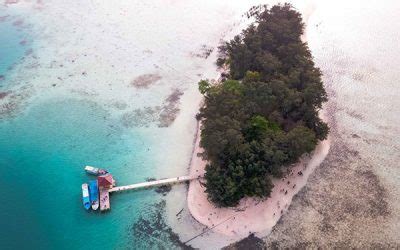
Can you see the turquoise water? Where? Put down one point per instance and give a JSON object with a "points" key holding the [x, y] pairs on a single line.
{"points": [[42, 154], [10, 48]]}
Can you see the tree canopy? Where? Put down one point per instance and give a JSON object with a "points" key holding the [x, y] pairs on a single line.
{"points": [[264, 116]]}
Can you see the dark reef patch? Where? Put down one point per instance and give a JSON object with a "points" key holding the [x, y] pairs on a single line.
{"points": [[170, 108], [3, 95], [355, 115], [251, 242], [163, 115], [141, 117], [164, 190], [204, 52], [150, 231], [144, 81]]}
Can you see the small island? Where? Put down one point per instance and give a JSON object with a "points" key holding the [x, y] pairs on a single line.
{"points": [[264, 114], [261, 128]]}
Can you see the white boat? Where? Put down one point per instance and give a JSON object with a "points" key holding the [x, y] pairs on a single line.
{"points": [[95, 171]]}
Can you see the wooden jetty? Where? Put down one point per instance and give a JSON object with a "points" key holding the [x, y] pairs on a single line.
{"points": [[108, 187], [104, 199], [153, 183], [106, 184]]}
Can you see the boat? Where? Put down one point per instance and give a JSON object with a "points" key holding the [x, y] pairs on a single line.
{"points": [[85, 196], [95, 171], [94, 194]]}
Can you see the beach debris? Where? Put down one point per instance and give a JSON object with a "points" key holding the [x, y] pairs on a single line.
{"points": [[300, 173], [179, 212]]}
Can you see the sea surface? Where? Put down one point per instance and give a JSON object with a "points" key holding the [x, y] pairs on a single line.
{"points": [[113, 85]]}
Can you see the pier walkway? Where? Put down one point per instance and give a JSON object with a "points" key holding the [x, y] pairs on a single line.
{"points": [[104, 200], [154, 183]]}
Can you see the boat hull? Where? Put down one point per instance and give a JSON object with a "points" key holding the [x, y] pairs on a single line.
{"points": [[94, 194], [95, 171], [85, 196], [95, 205]]}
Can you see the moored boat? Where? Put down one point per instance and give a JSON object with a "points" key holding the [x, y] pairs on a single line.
{"points": [[85, 196], [95, 171], [94, 194]]}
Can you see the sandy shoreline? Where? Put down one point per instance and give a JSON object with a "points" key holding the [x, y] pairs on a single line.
{"points": [[251, 215]]}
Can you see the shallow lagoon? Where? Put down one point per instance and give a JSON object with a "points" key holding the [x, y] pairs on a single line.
{"points": [[13, 45], [41, 155], [70, 113]]}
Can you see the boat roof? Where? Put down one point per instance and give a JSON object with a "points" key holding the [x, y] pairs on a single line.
{"points": [[105, 180], [89, 168], [93, 183]]}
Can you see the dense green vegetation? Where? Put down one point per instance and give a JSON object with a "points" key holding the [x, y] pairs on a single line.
{"points": [[264, 115]]}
